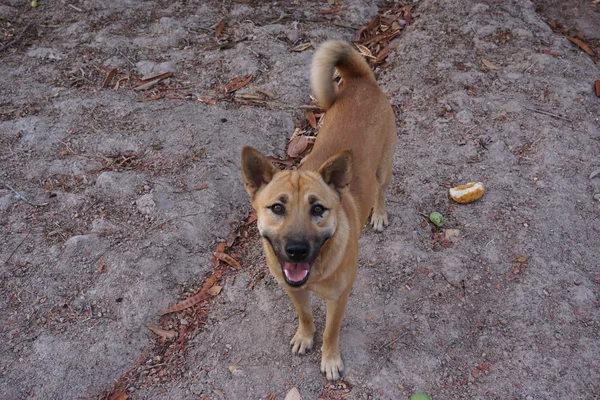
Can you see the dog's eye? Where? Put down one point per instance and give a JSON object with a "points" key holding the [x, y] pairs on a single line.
{"points": [[317, 210], [278, 209]]}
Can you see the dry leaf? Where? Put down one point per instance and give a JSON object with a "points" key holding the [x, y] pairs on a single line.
{"points": [[364, 50], [215, 290], [597, 84], [310, 117], [331, 11], [208, 100], [582, 45], [119, 396], [198, 297], [161, 76], [220, 27], [109, 77], [285, 161], [521, 259], [146, 85], [297, 146], [382, 55], [163, 333], [302, 47], [489, 64], [237, 83], [228, 259], [451, 233]]}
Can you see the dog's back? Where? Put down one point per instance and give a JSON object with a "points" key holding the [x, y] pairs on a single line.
{"points": [[359, 118]]}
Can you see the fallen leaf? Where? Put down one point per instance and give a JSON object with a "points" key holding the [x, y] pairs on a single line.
{"points": [[302, 47], [220, 249], [597, 84], [382, 55], [237, 83], [160, 76], [297, 146], [489, 64], [163, 333], [451, 233], [215, 290], [208, 100], [521, 259], [293, 394], [198, 297], [310, 117], [582, 45], [109, 77], [331, 10], [119, 396], [484, 366], [285, 161], [228, 259], [220, 27], [146, 85], [201, 187], [364, 50]]}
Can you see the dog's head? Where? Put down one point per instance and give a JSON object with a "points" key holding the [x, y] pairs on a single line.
{"points": [[298, 211]]}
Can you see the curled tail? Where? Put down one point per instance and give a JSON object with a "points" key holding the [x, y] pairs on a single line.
{"points": [[335, 54]]}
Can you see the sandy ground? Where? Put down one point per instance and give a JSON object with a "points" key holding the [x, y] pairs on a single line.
{"points": [[127, 200]]}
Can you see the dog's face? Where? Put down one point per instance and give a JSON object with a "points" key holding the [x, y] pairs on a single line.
{"points": [[297, 210]]}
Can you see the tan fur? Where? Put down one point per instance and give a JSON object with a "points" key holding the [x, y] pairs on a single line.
{"points": [[347, 172]]}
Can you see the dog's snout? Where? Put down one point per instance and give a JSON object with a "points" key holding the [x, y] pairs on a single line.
{"points": [[297, 251]]}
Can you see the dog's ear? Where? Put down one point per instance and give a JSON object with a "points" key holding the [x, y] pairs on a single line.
{"points": [[256, 170], [337, 171]]}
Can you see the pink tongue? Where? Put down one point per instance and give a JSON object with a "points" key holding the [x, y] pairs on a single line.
{"points": [[296, 272]]}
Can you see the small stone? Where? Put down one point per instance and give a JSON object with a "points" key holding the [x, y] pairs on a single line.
{"points": [[293, 394]]}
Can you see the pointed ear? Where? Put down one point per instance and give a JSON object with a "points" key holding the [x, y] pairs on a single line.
{"points": [[256, 170], [337, 171]]}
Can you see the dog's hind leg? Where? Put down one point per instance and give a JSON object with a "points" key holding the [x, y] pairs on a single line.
{"points": [[379, 217], [303, 339]]}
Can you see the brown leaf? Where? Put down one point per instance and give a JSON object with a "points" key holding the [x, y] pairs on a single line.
{"points": [[582, 45], [489, 64], [285, 161], [146, 85], [364, 50], [597, 84], [208, 100], [310, 117], [228, 259], [119, 396], [220, 249], [149, 78], [215, 290], [449, 234], [165, 334], [521, 259], [484, 366], [237, 83], [302, 47], [109, 77], [297, 146], [198, 297], [382, 55], [220, 27], [331, 10]]}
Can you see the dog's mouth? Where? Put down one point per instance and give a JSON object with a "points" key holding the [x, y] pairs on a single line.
{"points": [[295, 274]]}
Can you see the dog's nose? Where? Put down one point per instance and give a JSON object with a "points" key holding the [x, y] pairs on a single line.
{"points": [[297, 251]]}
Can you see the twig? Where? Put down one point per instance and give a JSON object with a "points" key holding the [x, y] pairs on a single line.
{"points": [[531, 66], [547, 113], [20, 196], [16, 248], [393, 341], [17, 39], [452, 284], [75, 8]]}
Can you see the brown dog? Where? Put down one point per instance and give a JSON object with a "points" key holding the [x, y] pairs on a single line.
{"points": [[310, 219]]}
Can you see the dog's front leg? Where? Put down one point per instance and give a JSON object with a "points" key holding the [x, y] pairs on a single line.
{"points": [[303, 339], [331, 362]]}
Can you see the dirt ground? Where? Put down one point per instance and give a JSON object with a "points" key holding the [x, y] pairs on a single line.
{"points": [[126, 193]]}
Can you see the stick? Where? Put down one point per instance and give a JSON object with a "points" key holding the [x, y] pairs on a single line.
{"points": [[20, 196], [393, 341], [16, 248], [547, 113], [452, 284], [17, 39]]}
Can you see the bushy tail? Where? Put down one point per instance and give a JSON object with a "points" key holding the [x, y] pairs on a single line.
{"points": [[335, 54]]}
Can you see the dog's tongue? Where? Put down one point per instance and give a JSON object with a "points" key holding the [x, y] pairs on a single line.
{"points": [[296, 272]]}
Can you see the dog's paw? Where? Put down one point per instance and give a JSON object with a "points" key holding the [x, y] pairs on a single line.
{"points": [[379, 222], [301, 342], [332, 367]]}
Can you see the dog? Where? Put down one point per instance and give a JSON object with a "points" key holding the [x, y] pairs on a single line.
{"points": [[310, 219]]}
